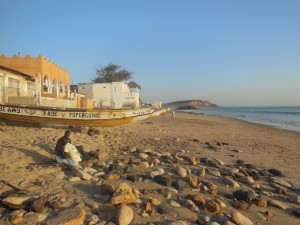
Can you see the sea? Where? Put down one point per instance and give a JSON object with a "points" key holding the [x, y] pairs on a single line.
{"points": [[286, 118]]}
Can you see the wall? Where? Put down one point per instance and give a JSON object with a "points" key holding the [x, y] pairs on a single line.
{"points": [[52, 102]]}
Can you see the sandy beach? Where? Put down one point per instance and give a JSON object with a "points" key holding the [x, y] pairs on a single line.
{"points": [[220, 146]]}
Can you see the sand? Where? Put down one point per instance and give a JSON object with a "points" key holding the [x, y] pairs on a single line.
{"points": [[26, 151]]}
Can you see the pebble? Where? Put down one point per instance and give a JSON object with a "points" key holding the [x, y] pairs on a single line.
{"points": [[83, 175], [240, 219], [144, 165], [214, 173], [123, 194], [280, 182], [181, 171], [90, 170], [179, 222], [276, 172], [74, 179], [230, 182], [277, 204], [175, 204], [228, 222], [294, 198], [124, 215], [59, 175]]}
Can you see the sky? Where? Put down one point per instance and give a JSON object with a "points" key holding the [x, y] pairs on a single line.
{"points": [[228, 52]]}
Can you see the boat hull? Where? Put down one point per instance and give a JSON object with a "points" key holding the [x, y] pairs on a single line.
{"points": [[73, 117]]}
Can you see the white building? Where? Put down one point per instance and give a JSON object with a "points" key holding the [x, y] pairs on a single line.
{"points": [[115, 95]]}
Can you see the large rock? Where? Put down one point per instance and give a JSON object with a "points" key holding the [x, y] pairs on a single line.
{"points": [[240, 219], [276, 172], [230, 182], [17, 202], [124, 215], [280, 182], [277, 204], [123, 194], [83, 175], [247, 196], [38, 204], [71, 216], [107, 189], [294, 198]]}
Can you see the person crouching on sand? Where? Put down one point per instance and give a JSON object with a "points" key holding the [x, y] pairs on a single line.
{"points": [[70, 155]]}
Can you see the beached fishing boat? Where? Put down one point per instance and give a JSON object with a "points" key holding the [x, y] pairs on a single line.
{"points": [[74, 117]]}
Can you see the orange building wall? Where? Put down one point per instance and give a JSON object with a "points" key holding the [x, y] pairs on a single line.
{"points": [[32, 66]]}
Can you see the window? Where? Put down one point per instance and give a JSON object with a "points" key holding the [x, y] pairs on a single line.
{"points": [[46, 86], [13, 83], [61, 87], [30, 86]]}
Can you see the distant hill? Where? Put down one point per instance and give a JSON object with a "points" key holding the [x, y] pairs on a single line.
{"points": [[189, 104]]}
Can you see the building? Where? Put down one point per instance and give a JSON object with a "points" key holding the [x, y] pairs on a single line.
{"points": [[35, 81], [115, 95]]}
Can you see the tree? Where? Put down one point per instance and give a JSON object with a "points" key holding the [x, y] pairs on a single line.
{"points": [[111, 73]]}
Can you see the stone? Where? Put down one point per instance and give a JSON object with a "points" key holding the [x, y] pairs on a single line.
{"points": [[240, 219], [193, 181], [203, 172], [246, 180], [254, 174], [247, 196], [163, 180], [143, 156], [92, 219], [34, 218], [277, 204], [210, 185], [107, 189], [228, 222], [38, 204], [163, 209], [222, 204], [279, 189], [17, 202], [175, 204], [276, 172], [198, 199], [262, 203], [215, 173], [112, 177], [83, 175], [124, 215], [280, 182], [179, 222], [296, 212], [16, 219], [230, 182], [54, 205], [71, 216], [134, 178], [240, 205], [130, 169], [123, 194], [212, 207], [144, 165], [192, 160], [294, 198], [179, 184], [90, 170], [264, 173], [181, 171], [74, 179], [191, 205], [155, 202]]}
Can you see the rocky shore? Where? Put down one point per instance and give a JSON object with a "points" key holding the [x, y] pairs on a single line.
{"points": [[193, 170]]}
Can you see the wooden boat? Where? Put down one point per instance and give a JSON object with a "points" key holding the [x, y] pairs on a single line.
{"points": [[73, 117]]}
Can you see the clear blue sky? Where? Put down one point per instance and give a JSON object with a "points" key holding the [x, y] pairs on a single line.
{"points": [[232, 53]]}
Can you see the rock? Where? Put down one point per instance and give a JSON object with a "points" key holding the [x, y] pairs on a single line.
{"points": [[112, 177], [155, 202], [254, 174], [297, 212], [38, 204], [130, 169], [34, 218], [280, 182], [198, 199], [181, 171], [90, 170], [123, 194], [212, 207], [179, 184], [192, 160], [276, 172], [222, 204], [264, 173], [154, 174], [163, 209], [143, 156], [71, 216], [269, 214], [232, 171], [247, 196], [240, 205], [246, 180], [134, 178], [210, 185], [294, 198], [87, 163], [215, 173], [92, 219], [191, 205], [163, 180], [277, 204], [124, 215], [144, 165], [17, 202], [262, 203], [179, 222], [228, 222], [16, 219], [279, 189], [102, 198], [83, 175], [59, 175], [107, 189], [204, 217], [231, 183], [54, 205], [240, 219], [193, 181], [74, 179], [214, 223], [175, 204], [214, 163]]}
